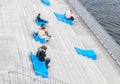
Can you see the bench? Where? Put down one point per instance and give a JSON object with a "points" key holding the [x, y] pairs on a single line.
{"points": [[40, 68], [46, 2], [88, 53], [37, 38], [61, 17], [39, 23]]}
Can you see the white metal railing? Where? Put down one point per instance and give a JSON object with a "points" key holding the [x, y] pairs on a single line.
{"points": [[24, 75]]}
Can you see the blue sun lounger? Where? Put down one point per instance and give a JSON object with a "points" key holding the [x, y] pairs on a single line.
{"points": [[40, 68], [88, 53], [40, 23], [61, 17], [46, 2], [37, 38]]}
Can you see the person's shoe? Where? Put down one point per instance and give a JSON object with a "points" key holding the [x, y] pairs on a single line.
{"points": [[47, 40], [49, 35]]}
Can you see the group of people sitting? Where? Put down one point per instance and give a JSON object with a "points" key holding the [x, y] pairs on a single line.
{"points": [[43, 32]]}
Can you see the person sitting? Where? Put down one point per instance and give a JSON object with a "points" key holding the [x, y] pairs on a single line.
{"points": [[69, 15], [41, 54], [42, 33], [45, 30], [41, 20]]}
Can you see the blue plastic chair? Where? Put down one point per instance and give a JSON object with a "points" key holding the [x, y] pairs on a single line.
{"points": [[61, 17], [40, 68], [88, 53], [46, 2], [40, 23], [37, 38]]}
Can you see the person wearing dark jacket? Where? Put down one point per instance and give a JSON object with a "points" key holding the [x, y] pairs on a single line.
{"points": [[41, 20], [41, 54]]}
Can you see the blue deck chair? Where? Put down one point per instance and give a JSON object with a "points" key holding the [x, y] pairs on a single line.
{"points": [[37, 38], [40, 23], [88, 53], [40, 68], [61, 17], [46, 2]]}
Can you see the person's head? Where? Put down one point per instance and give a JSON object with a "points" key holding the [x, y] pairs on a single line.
{"points": [[42, 26], [38, 14], [44, 47]]}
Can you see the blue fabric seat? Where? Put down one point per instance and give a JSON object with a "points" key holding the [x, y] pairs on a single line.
{"points": [[40, 23], [40, 68], [34, 58], [41, 40], [61, 17], [88, 53], [46, 2]]}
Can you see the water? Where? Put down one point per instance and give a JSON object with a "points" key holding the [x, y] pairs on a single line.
{"points": [[107, 13]]}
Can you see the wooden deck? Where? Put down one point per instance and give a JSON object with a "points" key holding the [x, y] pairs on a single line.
{"points": [[17, 25]]}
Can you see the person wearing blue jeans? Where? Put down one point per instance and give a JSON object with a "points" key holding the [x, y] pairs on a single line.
{"points": [[41, 54], [47, 61]]}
